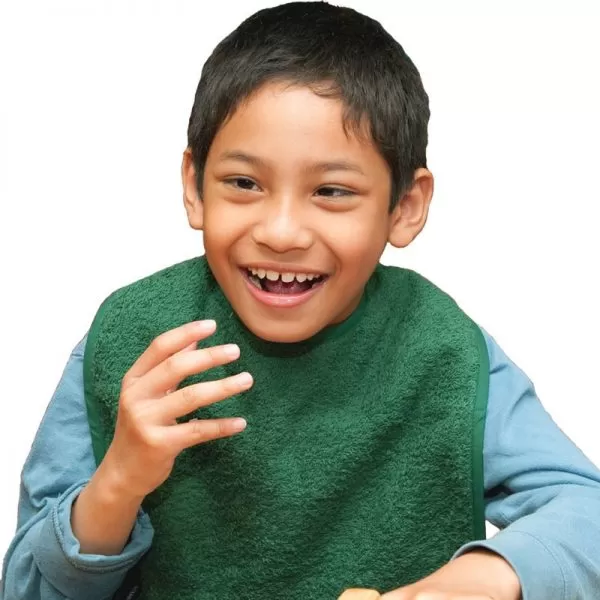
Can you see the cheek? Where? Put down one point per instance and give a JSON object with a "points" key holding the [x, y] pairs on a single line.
{"points": [[357, 242], [223, 225]]}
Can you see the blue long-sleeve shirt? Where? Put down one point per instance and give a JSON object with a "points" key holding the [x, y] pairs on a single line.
{"points": [[541, 491]]}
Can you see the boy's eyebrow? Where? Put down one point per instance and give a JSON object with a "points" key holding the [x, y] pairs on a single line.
{"points": [[323, 167]]}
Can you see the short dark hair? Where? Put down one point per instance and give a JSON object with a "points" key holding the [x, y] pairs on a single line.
{"points": [[336, 51]]}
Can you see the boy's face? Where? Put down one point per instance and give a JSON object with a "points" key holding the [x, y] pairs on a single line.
{"points": [[295, 212]]}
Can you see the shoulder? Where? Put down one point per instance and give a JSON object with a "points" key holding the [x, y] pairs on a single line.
{"points": [[429, 322], [422, 301], [501, 365], [509, 384], [411, 285]]}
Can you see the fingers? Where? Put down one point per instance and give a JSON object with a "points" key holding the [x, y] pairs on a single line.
{"points": [[168, 344], [198, 431], [192, 346], [188, 399], [174, 369]]}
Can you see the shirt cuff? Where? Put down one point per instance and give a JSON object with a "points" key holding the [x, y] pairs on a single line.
{"points": [[529, 557], [59, 560]]}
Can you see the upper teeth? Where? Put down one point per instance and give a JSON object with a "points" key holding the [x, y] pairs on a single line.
{"points": [[285, 277]]}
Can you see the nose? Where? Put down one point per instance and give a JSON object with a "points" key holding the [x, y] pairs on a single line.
{"points": [[282, 226]]}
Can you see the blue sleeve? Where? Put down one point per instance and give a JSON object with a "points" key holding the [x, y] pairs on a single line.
{"points": [[43, 561], [541, 492]]}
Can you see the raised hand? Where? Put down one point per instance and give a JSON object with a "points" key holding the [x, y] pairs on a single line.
{"points": [[147, 436]]}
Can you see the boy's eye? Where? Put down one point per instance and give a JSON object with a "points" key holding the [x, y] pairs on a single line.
{"points": [[242, 183], [333, 192]]}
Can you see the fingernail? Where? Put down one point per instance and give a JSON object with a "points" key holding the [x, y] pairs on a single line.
{"points": [[239, 424], [208, 325], [244, 379], [231, 350]]}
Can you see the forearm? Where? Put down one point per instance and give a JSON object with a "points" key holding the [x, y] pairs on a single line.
{"points": [[559, 540], [104, 514], [541, 491], [44, 561]]}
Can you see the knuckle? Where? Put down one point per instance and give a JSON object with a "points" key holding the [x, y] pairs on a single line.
{"points": [[208, 430], [202, 359], [189, 398], [129, 415], [197, 428], [151, 439], [218, 429], [221, 428], [212, 356], [230, 385], [159, 344], [171, 366], [126, 400]]}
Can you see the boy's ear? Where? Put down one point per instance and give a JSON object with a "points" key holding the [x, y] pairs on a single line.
{"points": [[191, 198], [410, 214]]}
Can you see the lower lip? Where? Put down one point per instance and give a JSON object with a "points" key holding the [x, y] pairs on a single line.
{"points": [[281, 300]]}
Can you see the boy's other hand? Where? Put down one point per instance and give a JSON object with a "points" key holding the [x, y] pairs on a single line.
{"points": [[478, 575], [148, 437]]}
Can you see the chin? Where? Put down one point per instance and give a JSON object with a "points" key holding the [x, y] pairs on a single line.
{"points": [[282, 333]]}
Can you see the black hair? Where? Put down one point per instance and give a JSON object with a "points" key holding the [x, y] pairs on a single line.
{"points": [[337, 52]]}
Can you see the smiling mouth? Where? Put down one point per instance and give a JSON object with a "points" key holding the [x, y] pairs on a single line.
{"points": [[273, 282]]}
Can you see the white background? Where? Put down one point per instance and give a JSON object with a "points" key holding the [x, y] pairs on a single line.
{"points": [[95, 98]]}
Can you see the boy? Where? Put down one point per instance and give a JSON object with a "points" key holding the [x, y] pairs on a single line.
{"points": [[369, 399]]}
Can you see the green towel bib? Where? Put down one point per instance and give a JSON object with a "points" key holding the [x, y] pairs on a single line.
{"points": [[362, 462]]}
